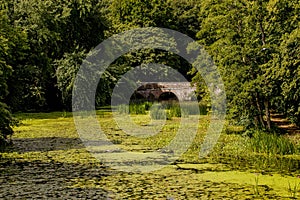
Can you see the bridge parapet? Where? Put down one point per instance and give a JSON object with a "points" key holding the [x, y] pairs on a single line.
{"points": [[155, 90]]}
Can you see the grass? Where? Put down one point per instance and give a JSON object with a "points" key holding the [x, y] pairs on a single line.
{"points": [[164, 110], [157, 112], [270, 143], [47, 149]]}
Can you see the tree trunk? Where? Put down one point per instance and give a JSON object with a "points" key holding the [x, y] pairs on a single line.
{"points": [[263, 36], [261, 119], [255, 116], [267, 113], [256, 122]]}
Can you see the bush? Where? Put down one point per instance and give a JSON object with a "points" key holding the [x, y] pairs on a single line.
{"points": [[132, 109], [174, 111], [6, 123], [164, 110], [148, 105], [137, 109], [157, 112], [190, 108], [123, 109]]}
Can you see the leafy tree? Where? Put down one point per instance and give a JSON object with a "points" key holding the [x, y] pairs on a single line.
{"points": [[50, 30], [291, 72], [31, 55], [81, 30], [244, 41], [6, 120], [66, 70], [253, 43], [176, 15]]}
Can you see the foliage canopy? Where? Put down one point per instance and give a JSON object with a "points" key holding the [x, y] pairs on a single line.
{"points": [[255, 45]]}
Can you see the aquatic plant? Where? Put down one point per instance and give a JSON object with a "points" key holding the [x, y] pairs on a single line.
{"points": [[293, 189], [271, 143]]}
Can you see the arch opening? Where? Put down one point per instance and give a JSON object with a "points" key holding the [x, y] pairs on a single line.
{"points": [[168, 97], [137, 97]]}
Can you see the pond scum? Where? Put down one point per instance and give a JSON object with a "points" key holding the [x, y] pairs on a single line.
{"points": [[49, 161]]}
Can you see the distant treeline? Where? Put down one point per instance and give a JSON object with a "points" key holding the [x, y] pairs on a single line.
{"points": [[255, 44]]}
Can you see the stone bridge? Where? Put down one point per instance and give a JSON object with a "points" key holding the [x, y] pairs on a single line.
{"points": [[164, 91]]}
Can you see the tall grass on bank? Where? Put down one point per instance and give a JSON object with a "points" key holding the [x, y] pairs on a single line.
{"points": [[271, 143], [164, 110], [157, 112], [187, 108], [137, 109]]}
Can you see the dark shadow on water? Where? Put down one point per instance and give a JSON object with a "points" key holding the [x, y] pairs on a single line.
{"points": [[56, 115], [49, 115], [45, 144], [58, 180], [49, 180]]}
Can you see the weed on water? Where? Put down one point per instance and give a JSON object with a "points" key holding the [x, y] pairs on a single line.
{"points": [[293, 189], [256, 191], [46, 142]]}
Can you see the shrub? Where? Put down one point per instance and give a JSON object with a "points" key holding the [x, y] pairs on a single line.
{"points": [[190, 108], [174, 111], [148, 105], [137, 109], [165, 110], [6, 123], [132, 109], [123, 109], [157, 112]]}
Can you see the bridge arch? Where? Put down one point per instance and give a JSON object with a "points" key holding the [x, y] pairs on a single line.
{"points": [[138, 97], [168, 96], [151, 97], [157, 91]]}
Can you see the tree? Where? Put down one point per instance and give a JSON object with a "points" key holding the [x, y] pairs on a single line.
{"points": [[175, 15], [50, 30], [291, 71], [81, 30], [244, 41], [6, 120]]}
